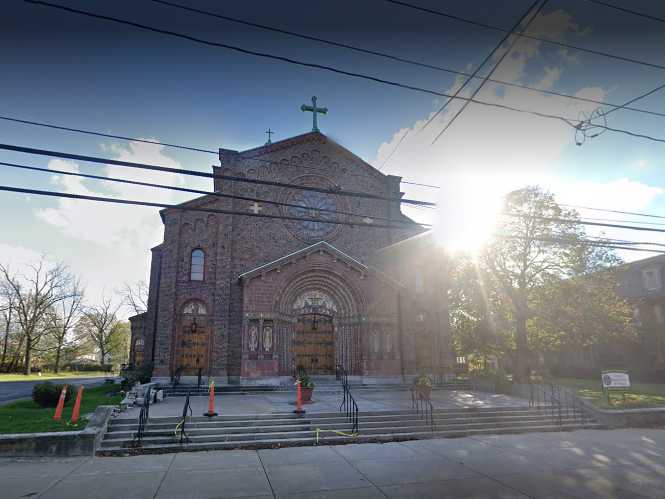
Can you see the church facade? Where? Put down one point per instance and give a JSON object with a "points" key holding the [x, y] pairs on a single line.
{"points": [[248, 292]]}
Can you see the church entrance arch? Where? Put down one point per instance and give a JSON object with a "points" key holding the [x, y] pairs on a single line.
{"points": [[325, 316], [315, 333]]}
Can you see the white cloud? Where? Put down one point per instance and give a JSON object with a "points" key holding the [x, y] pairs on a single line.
{"points": [[108, 244], [127, 228], [489, 151]]}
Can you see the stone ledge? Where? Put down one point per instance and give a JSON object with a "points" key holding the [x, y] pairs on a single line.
{"points": [[63, 444], [648, 417]]}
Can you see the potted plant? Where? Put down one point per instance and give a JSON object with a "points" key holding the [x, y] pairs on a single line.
{"points": [[306, 387], [424, 386]]}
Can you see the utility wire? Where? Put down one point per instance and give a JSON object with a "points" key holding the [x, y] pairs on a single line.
{"points": [[627, 11], [514, 30], [405, 86], [479, 67], [581, 222], [144, 166], [569, 121], [639, 97], [166, 144], [571, 242], [609, 210], [100, 134], [68, 195], [523, 35], [391, 56], [399, 143], [197, 191]]}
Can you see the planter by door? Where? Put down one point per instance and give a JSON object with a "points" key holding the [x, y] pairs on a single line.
{"points": [[307, 394]]}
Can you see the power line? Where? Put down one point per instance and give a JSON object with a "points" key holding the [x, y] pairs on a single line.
{"points": [[522, 35], [288, 60], [144, 166], [568, 121], [145, 141], [609, 210], [197, 191], [478, 68], [100, 134], [627, 11], [392, 56], [581, 222], [571, 242], [399, 143], [190, 208], [496, 65], [639, 97]]}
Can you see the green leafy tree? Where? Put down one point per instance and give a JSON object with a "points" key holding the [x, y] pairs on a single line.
{"points": [[538, 246]]}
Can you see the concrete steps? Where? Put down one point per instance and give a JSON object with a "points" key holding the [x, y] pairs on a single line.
{"points": [[283, 430], [328, 387]]}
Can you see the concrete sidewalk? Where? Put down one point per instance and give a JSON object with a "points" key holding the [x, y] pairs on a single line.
{"points": [[581, 464], [325, 401]]}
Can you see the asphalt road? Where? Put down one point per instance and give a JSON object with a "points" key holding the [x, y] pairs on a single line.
{"points": [[15, 390]]}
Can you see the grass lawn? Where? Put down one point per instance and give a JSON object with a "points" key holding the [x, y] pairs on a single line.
{"points": [[639, 395], [26, 416], [60, 375]]}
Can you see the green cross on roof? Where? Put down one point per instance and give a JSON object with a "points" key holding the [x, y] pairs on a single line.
{"points": [[314, 110]]}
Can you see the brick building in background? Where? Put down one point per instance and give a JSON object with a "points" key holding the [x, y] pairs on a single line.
{"points": [[249, 299]]}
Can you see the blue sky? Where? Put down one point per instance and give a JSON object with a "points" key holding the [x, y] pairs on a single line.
{"points": [[86, 73]]}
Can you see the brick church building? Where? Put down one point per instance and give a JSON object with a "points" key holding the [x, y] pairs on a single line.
{"points": [[249, 291]]}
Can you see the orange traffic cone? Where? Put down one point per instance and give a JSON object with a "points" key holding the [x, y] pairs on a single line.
{"points": [[211, 401], [299, 409], [77, 405], [61, 404]]}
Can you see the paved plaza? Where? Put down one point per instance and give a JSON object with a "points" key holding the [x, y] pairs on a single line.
{"points": [[581, 464], [328, 400]]}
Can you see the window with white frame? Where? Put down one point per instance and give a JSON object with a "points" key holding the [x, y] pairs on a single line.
{"points": [[198, 262], [651, 279]]}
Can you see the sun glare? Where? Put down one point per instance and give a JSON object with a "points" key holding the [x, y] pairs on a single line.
{"points": [[465, 222]]}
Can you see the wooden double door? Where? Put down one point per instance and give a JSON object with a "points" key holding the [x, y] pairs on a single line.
{"points": [[315, 344], [193, 356]]}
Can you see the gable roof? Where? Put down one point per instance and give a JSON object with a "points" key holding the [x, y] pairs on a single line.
{"points": [[320, 246], [314, 137]]}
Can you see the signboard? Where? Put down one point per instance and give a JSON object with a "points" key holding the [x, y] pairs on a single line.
{"points": [[615, 380]]}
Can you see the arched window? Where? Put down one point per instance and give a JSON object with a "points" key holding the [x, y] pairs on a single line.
{"points": [[198, 262]]}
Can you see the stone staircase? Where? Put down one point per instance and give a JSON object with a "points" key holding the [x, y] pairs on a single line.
{"points": [[287, 429], [328, 387]]}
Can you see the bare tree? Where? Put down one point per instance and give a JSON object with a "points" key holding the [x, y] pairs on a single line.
{"points": [[7, 310], [135, 297], [62, 318], [100, 324], [35, 293]]}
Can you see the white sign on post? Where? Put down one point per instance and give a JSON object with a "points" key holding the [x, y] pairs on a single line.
{"points": [[615, 380]]}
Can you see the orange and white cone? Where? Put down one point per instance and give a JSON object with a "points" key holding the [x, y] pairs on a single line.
{"points": [[61, 404]]}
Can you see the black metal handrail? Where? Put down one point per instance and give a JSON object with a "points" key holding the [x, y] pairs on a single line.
{"points": [[180, 427], [176, 377], [423, 407], [144, 414], [557, 401], [348, 405]]}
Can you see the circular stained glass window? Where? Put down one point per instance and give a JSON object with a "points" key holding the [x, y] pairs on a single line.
{"points": [[316, 207]]}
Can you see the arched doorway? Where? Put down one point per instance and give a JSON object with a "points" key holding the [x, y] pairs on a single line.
{"points": [[315, 333], [193, 341]]}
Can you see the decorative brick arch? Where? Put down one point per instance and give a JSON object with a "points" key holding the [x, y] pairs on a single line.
{"points": [[348, 298]]}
